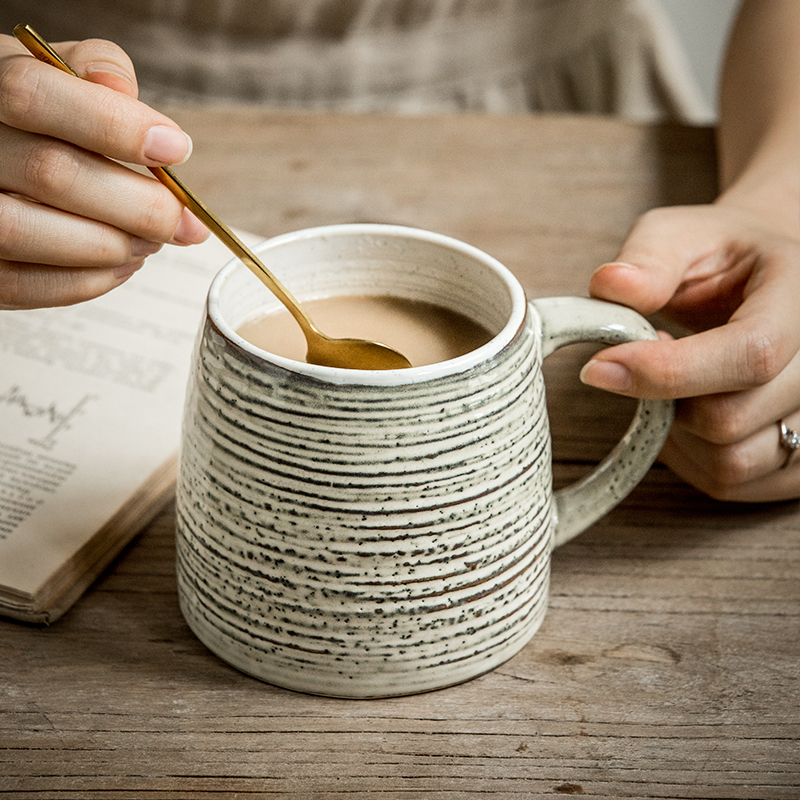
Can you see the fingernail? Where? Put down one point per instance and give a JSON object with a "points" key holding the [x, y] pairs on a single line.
{"points": [[623, 264], [167, 145], [143, 247], [607, 375], [190, 230]]}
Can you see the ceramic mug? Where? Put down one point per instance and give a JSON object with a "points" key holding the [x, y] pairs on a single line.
{"points": [[373, 533]]}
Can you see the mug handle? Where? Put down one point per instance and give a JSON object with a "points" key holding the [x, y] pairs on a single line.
{"points": [[570, 320]]}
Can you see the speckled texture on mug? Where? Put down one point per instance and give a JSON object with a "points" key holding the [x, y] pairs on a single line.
{"points": [[364, 541]]}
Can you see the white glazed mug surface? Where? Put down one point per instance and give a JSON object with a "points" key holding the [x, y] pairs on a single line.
{"points": [[367, 534]]}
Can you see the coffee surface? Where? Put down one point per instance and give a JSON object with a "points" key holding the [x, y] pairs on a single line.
{"points": [[423, 332]]}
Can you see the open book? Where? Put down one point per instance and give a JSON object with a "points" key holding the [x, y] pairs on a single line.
{"points": [[90, 411]]}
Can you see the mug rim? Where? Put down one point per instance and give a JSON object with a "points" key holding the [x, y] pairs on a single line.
{"points": [[391, 377]]}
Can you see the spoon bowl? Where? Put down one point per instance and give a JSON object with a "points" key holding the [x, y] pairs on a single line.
{"points": [[347, 353]]}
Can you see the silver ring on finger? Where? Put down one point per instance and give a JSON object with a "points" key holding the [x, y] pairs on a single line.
{"points": [[789, 441]]}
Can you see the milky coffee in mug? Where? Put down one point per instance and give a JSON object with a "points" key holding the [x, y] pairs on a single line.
{"points": [[425, 333], [372, 533]]}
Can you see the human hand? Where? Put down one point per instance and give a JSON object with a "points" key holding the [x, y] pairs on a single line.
{"points": [[734, 281], [73, 223]]}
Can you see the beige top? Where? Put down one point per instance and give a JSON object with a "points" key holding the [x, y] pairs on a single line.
{"points": [[413, 56]]}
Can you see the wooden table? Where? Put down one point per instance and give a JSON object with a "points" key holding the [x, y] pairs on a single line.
{"points": [[668, 664]]}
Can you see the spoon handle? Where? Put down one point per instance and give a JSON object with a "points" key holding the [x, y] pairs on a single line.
{"points": [[232, 242], [39, 48]]}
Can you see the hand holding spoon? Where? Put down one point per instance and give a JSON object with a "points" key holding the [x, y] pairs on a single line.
{"points": [[323, 350]]}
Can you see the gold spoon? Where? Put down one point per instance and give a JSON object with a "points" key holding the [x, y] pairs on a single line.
{"points": [[323, 350]]}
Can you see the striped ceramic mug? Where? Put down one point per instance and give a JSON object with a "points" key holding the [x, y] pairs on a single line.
{"points": [[364, 534]]}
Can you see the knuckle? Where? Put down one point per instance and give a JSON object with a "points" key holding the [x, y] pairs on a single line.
{"points": [[721, 418], [109, 252], [19, 83], [112, 135], [762, 355], [159, 215], [100, 249], [733, 465], [50, 170]]}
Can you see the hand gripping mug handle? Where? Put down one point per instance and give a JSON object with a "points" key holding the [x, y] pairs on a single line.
{"points": [[570, 320]]}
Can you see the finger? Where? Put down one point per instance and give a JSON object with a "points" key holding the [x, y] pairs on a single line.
{"points": [[25, 285], [38, 98], [734, 464], [752, 471], [84, 184], [721, 360], [36, 234], [731, 417]]}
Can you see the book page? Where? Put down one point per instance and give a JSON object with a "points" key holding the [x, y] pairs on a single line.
{"points": [[91, 398]]}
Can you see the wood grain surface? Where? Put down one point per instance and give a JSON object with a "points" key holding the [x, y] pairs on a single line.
{"points": [[668, 664]]}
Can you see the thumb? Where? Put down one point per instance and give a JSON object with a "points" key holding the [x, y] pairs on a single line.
{"points": [[101, 62], [665, 248]]}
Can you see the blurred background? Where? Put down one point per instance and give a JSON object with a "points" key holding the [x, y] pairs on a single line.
{"points": [[591, 55], [703, 27]]}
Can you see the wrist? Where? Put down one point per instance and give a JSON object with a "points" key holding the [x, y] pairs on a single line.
{"points": [[771, 196], [767, 184]]}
